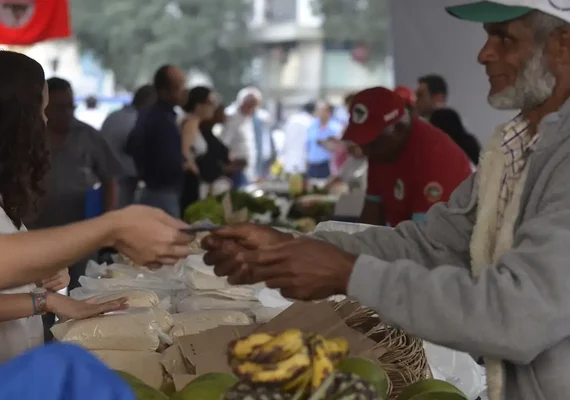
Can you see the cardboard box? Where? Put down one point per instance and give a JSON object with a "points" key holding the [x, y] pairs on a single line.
{"points": [[144, 365], [207, 351]]}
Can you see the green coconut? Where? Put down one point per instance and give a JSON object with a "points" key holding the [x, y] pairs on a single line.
{"points": [[369, 371], [211, 386], [141, 389], [432, 389]]}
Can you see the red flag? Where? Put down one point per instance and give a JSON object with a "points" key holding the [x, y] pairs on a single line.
{"points": [[24, 22]]}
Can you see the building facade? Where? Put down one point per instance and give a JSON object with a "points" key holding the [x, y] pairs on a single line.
{"points": [[296, 64]]}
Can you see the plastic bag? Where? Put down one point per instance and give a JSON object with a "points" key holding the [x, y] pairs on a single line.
{"points": [[195, 322], [346, 227], [137, 298], [457, 368], [204, 303], [136, 329]]}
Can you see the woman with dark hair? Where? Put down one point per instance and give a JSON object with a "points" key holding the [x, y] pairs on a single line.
{"points": [[42, 256], [450, 122], [199, 107]]}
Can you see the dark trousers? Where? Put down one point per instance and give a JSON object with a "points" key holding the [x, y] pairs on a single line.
{"points": [[319, 171]]}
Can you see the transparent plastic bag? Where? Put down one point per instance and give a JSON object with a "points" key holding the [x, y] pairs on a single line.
{"points": [[136, 329], [204, 303], [190, 323], [457, 368]]}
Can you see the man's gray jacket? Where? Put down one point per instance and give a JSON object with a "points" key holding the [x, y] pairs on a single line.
{"points": [[419, 276]]}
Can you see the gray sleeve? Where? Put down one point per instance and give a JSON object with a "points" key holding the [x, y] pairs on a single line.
{"points": [[442, 238], [106, 165], [513, 311]]}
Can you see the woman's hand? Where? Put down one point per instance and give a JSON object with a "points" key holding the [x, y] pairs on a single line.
{"points": [[58, 282], [68, 308]]}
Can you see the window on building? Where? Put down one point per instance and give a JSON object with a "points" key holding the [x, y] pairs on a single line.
{"points": [[281, 10]]}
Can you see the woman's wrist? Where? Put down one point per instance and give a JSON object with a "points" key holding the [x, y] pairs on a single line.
{"points": [[51, 302]]}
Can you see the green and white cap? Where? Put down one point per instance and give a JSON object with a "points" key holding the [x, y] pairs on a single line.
{"points": [[497, 11]]}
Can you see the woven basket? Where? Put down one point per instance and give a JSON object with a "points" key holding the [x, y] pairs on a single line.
{"points": [[404, 361]]}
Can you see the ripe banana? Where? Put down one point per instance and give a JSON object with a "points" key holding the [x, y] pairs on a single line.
{"points": [[336, 349], [242, 348], [279, 348], [278, 373], [322, 364]]}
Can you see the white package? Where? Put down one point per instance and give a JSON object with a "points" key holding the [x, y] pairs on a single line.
{"points": [[457, 368], [195, 322], [137, 298], [204, 303], [137, 329]]}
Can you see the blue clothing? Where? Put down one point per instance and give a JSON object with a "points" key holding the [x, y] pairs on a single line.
{"points": [[319, 171], [165, 200], [156, 148], [61, 372], [316, 154]]}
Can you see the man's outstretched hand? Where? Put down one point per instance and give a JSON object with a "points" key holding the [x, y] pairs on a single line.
{"points": [[303, 269], [223, 245]]}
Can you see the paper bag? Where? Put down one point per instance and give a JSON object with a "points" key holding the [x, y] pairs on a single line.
{"points": [[207, 351], [143, 365], [320, 318]]}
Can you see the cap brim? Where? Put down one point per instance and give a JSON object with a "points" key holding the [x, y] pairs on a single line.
{"points": [[356, 134], [488, 12]]}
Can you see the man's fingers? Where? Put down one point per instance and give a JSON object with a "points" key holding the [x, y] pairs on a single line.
{"points": [[114, 305], [238, 231], [211, 242], [261, 257], [269, 273], [226, 268], [213, 258]]}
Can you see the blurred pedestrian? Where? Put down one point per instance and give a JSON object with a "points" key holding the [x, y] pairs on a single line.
{"points": [[296, 129], [155, 143], [116, 130], [321, 141]]}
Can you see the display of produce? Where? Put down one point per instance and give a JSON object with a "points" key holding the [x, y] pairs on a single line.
{"points": [[367, 370], [213, 210], [141, 389], [211, 386], [432, 389]]}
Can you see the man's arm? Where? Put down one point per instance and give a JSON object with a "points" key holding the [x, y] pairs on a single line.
{"points": [[514, 310], [442, 238]]}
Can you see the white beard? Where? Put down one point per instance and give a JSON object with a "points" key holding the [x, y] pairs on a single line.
{"points": [[533, 87]]}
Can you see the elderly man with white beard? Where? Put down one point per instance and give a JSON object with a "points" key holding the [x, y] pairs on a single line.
{"points": [[486, 272]]}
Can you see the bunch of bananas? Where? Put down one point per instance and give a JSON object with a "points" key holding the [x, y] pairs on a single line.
{"points": [[292, 360]]}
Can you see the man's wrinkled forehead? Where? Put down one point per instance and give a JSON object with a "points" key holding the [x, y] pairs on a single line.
{"points": [[519, 28]]}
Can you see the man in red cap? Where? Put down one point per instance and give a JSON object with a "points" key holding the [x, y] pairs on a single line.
{"points": [[407, 94], [411, 164]]}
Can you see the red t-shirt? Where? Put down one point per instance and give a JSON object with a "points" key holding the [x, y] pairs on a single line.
{"points": [[428, 171]]}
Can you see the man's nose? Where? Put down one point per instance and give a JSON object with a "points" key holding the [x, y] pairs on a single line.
{"points": [[487, 54]]}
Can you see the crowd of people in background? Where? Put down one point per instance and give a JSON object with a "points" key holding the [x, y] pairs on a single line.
{"points": [[174, 145]]}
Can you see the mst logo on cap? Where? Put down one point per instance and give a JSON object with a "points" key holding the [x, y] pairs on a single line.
{"points": [[359, 113], [373, 110]]}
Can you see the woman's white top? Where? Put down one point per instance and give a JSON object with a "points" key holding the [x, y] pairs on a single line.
{"points": [[20, 335]]}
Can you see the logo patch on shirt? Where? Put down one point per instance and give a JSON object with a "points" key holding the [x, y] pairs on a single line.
{"points": [[433, 192], [399, 190], [359, 113]]}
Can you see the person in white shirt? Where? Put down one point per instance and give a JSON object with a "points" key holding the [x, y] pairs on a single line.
{"points": [[296, 129], [33, 265], [239, 134]]}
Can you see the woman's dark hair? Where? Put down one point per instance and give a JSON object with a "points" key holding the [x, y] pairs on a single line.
{"points": [[23, 152], [197, 95], [450, 122]]}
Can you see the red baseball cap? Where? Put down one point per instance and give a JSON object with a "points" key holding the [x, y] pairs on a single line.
{"points": [[372, 111], [407, 94]]}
